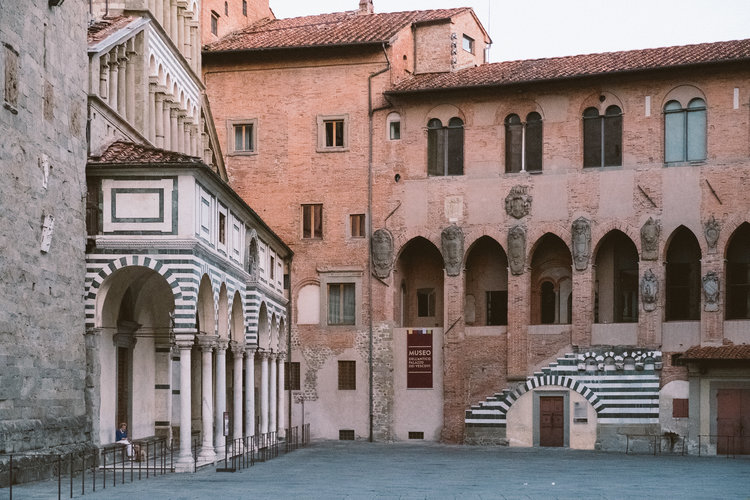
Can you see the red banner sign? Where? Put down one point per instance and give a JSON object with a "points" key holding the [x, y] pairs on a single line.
{"points": [[419, 359]]}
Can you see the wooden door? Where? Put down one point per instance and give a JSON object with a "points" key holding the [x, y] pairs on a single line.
{"points": [[733, 421], [551, 421]]}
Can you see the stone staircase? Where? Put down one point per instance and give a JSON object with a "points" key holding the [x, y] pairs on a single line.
{"points": [[622, 384]]}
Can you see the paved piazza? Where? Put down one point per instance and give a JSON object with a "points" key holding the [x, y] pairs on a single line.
{"points": [[338, 470]]}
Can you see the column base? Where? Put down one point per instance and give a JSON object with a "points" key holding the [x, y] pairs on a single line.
{"points": [[185, 464], [206, 456]]}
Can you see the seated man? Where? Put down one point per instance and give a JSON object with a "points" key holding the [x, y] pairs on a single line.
{"points": [[121, 436]]}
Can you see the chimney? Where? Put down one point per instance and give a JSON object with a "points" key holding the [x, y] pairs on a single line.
{"points": [[365, 7]]}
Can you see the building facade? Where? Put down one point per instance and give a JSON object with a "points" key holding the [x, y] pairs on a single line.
{"points": [[516, 252], [185, 298], [42, 227]]}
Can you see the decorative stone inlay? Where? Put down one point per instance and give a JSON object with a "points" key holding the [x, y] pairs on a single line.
{"points": [[452, 239], [581, 231], [517, 250], [711, 291], [381, 247], [650, 239], [649, 290], [711, 229]]}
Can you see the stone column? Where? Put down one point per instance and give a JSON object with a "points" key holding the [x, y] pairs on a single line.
{"points": [[250, 391], [104, 76], [221, 394], [180, 41], [238, 350], [173, 21], [207, 344], [281, 399], [159, 119], [263, 391], [272, 393], [166, 108], [121, 80], [165, 19], [194, 41], [130, 85], [180, 132], [113, 77], [185, 461], [174, 142], [152, 112]]}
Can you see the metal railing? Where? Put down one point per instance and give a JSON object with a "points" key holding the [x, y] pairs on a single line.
{"points": [[245, 452], [96, 469], [656, 442]]}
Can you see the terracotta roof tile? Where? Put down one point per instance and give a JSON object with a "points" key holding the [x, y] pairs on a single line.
{"points": [[121, 152], [341, 28], [556, 68], [721, 352], [101, 29]]}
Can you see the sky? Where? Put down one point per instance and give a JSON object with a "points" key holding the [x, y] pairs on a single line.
{"points": [[530, 29]]}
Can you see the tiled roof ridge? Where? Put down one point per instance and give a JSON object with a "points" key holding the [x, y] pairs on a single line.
{"points": [[267, 26], [129, 152]]}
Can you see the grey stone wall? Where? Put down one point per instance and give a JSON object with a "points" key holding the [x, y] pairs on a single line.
{"points": [[43, 69]]}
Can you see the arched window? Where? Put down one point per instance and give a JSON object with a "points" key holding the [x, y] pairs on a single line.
{"points": [[523, 143], [738, 274], [394, 126], [602, 137], [445, 147], [685, 131]]}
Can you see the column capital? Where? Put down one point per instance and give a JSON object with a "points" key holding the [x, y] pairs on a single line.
{"points": [[184, 340], [221, 344], [237, 347], [263, 354], [281, 356], [206, 342]]}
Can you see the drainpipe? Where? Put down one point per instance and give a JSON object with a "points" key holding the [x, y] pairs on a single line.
{"points": [[370, 112], [289, 310]]}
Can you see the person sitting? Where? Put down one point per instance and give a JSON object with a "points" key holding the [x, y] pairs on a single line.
{"points": [[121, 437]]}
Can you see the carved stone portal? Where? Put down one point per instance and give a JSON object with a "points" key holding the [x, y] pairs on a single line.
{"points": [[711, 229], [517, 250], [382, 253], [452, 240], [711, 291], [518, 202], [649, 290], [650, 239], [581, 243]]}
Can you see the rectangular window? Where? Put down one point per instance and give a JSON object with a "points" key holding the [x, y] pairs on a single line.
{"points": [[222, 228], [272, 267], [214, 23], [347, 375], [497, 307], [346, 434], [243, 137], [680, 408], [312, 221], [468, 44], [394, 131], [244, 8], [426, 302], [341, 304], [357, 222], [291, 376], [334, 133]]}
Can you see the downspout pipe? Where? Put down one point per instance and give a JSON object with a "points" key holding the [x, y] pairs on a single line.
{"points": [[290, 308], [370, 112]]}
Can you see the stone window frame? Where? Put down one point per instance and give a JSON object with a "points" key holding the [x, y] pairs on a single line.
{"points": [[347, 375], [313, 235], [322, 120], [467, 43], [685, 96], [362, 226], [342, 276], [214, 23], [231, 143], [514, 125]]}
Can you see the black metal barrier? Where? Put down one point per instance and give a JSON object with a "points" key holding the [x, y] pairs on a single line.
{"points": [[245, 452], [100, 468]]}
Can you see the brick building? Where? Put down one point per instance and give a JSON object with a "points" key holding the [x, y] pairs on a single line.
{"points": [[516, 252]]}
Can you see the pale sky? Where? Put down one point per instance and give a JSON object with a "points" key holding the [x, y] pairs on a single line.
{"points": [[529, 29]]}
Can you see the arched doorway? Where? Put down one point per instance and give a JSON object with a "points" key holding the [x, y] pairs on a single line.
{"points": [[551, 284]]}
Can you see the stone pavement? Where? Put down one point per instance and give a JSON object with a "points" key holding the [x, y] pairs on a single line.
{"points": [[360, 470]]}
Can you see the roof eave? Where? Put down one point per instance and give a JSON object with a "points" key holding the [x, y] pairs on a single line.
{"points": [[374, 43]]}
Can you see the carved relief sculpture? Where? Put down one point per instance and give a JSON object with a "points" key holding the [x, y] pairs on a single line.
{"points": [[452, 240], [382, 253], [48, 226], [517, 250], [711, 229], [649, 290], [581, 243], [711, 291], [650, 239], [518, 202]]}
